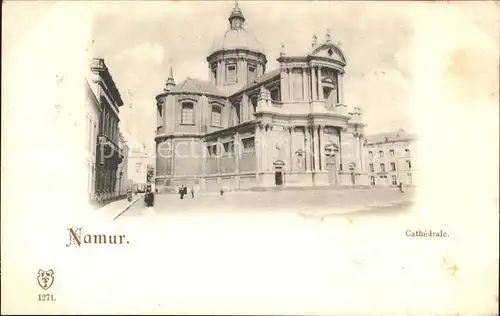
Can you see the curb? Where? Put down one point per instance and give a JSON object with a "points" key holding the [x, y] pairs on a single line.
{"points": [[128, 206]]}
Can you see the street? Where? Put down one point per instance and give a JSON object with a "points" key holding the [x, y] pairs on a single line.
{"points": [[312, 202]]}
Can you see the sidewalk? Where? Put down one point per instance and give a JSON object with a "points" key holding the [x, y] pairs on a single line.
{"points": [[114, 209]]}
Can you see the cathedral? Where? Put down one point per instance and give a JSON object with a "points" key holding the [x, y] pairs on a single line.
{"points": [[248, 127]]}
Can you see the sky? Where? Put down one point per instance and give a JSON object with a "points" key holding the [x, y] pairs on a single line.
{"points": [[138, 41]]}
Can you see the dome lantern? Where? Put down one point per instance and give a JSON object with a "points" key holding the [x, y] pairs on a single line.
{"points": [[236, 18]]}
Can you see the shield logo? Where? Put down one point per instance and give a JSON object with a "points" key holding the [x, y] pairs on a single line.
{"points": [[45, 278]]}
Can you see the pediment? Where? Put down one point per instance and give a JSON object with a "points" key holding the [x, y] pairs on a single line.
{"points": [[330, 51]]}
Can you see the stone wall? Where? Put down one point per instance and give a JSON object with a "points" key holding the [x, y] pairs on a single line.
{"points": [[188, 157], [247, 162], [247, 181]]}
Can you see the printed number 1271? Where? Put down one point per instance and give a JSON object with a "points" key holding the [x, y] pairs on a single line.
{"points": [[46, 298]]}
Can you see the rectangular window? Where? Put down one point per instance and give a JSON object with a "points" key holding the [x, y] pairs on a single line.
{"points": [[382, 167], [393, 166], [381, 153], [394, 180], [187, 114], [371, 168], [408, 164], [212, 150], [391, 152], [138, 167], [252, 73], [216, 116], [229, 148], [248, 144], [231, 73], [275, 95]]}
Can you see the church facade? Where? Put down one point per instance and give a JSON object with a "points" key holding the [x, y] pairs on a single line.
{"points": [[247, 127]]}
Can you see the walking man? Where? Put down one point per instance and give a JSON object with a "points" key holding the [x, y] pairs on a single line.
{"points": [[182, 191]]}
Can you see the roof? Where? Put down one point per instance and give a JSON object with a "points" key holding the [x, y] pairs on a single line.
{"points": [[259, 80], [398, 136], [236, 39], [98, 64], [196, 86]]}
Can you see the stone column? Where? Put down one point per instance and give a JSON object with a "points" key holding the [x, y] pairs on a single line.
{"points": [[172, 159], [341, 146], [258, 148], [340, 88], [304, 84], [264, 148], [358, 156], [203, 158], [308, 154], [219, 73], [314, 84], [320, 85], [361, 153], [316, 148], [240, 69], [290, 92], [284, 86], [322, 147], [236, 144], [219, 153], [290, 147]]}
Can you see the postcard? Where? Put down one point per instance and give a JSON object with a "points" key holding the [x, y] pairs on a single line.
{"points": [[250, 157]]}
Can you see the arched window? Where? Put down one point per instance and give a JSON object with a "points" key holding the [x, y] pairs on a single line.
{"points": [[216, 116], [187, 113]]}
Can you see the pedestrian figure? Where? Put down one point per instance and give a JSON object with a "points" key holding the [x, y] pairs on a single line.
{"points": [[192, 192], [221, 191], [182, 191], [401, 187]]}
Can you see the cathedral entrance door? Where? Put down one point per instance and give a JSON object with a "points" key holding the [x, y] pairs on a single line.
{"points": [[278, 177], [278, 172]]}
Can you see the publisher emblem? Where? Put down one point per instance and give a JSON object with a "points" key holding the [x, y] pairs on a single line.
{"points": [[45, 278]]}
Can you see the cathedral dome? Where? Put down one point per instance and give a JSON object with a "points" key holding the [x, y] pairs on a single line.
{"points": [[238, 38]]}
